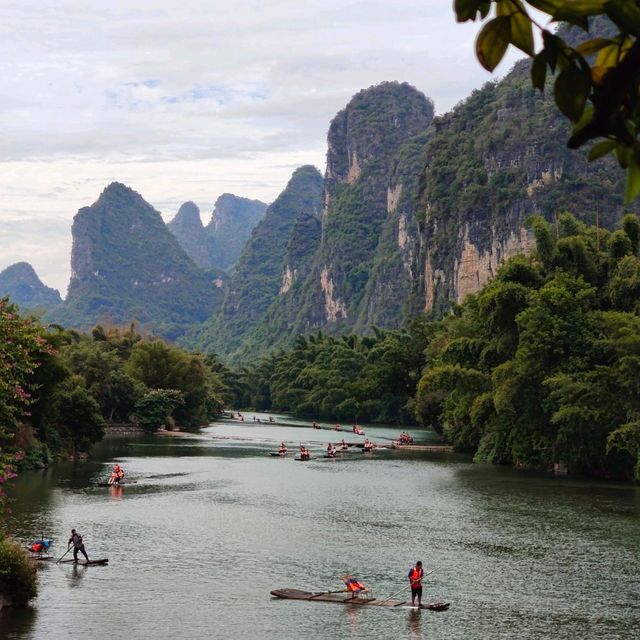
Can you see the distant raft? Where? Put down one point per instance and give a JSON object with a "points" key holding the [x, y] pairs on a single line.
{"points": [[344, 598], [121, 483]]}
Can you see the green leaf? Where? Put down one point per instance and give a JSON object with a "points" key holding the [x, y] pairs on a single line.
{"points": [[466, 9], [571, 91], [548, 6], [624, 155], [601, 149], [570, 9], [552, 45], [585, 119], [625, 14], [493, 41], [539, 71], [633, 179], [522, 33], [589, 47]]}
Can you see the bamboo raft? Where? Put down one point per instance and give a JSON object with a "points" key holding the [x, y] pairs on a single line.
{"points": [[86, 562], [121, 483], [439, 448], [342, 598]]}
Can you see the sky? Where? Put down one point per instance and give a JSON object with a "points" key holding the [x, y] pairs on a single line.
{"points": [[186, 100]]}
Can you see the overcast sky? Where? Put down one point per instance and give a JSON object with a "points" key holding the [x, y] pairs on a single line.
{"points": [[185, 100]]}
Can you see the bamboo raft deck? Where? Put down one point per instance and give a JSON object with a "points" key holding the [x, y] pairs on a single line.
{"points": [[85, 563], [439, 448], [343, 598]]}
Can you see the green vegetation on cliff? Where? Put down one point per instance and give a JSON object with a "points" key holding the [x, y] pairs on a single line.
{"points": [[493, 161], [541, 367], [220, 243], [258, 277]]}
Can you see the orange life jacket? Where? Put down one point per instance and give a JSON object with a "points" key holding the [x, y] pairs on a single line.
{"points": [[354, 586], [416, 576]]}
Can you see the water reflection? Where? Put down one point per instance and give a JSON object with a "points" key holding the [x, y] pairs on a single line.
{"points": [[17, 623], [116, 493], [414, 623], [76, 575]]}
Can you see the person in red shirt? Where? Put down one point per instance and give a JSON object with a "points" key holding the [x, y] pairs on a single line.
{"points": [[416, 574]]}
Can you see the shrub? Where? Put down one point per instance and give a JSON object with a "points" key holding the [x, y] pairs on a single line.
{"points": [[18, 580]]}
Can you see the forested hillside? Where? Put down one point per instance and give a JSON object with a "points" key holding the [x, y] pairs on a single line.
{"points": [[261, 273]]}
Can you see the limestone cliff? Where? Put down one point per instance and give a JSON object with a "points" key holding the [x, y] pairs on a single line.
{"points": [[361, 272], [220, 243], [232, 221], [497, 158]]}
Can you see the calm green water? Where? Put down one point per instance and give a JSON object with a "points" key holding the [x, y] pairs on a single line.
{"points": [[214, 524]]}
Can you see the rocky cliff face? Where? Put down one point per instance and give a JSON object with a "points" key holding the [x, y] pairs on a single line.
{"points": [[126, 265], [499, 157], [350, 265], [189, 231], [21, 283], [362, 268], [269, 265]]}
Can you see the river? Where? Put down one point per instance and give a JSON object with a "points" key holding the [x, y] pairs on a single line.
{"points": [[214, 523]]}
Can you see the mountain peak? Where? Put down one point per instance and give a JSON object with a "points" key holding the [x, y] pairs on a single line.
{"points": [[188, 216], [189, 231], [21, 283]]}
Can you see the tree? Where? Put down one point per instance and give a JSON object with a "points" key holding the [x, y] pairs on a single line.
{"points": [[597, 86], [22, 345], [76, 414], [155, 407]]}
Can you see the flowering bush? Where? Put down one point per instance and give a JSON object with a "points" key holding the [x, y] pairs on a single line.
{"points": [[22, 341]]}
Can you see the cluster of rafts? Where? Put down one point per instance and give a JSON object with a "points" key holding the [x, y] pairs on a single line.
{"points": [[332, 451]]}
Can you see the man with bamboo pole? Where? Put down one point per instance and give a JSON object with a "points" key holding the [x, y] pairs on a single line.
{"points": [[416, 573]]}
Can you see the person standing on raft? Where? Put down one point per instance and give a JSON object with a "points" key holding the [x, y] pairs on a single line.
{"points": [[78, 545], [416, 574]]}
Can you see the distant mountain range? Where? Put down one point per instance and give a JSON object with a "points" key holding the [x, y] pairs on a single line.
{"points": [[413, 212], [126, 265]]}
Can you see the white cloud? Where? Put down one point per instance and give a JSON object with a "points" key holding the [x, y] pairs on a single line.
{"points": [[185, 100]]}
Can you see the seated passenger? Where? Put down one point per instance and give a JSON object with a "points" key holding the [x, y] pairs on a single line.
{"points": [[354, 586]]}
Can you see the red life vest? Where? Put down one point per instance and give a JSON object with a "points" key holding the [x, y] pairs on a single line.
{"points": [[416, 577]]}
